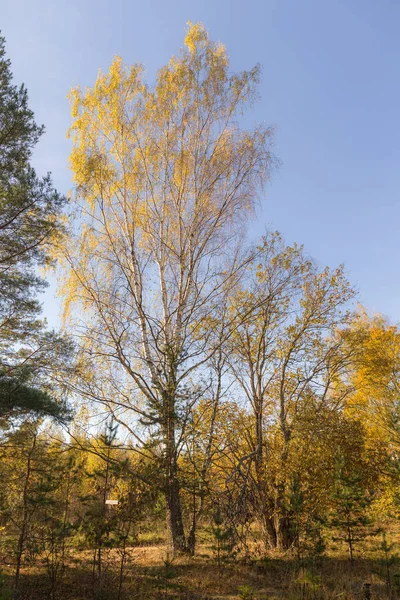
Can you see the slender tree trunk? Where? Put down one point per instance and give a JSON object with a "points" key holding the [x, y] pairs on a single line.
{"points": [[121, 567], [198, 511], [282, 517], [265, 508], [282, 524], [65, 520], [104, 498], [25, 515], [350, 543], [191, 541]]}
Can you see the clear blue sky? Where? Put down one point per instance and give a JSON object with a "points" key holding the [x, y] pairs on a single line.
{"points": [[330, 84]]}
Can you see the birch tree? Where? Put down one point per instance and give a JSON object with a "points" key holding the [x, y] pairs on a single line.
{"points": [[285, 351], [166, 179]]}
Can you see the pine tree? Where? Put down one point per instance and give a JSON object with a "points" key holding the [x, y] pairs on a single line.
{"points": [[98, 522], [29, 223], [351, 501], [224, 537]]}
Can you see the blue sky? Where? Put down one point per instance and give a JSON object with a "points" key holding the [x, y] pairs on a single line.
{"points": [[330, 85]]}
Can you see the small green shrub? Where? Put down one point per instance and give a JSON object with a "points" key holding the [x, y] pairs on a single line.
{"points": [[246, 592]]}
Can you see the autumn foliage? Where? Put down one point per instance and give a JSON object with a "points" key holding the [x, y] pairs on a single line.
{"points": [[226, 393]]}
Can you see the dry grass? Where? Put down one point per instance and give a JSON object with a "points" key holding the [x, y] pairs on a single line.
{"points": [[151, 575]]}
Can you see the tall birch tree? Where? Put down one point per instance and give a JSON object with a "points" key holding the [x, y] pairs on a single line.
{"points": [[166, 178]]}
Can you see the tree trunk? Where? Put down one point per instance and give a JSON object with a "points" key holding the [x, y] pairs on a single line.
{"points": [[25, 515], [174, 515], [284, 536], [172, 487], [265, 507], [198, 511], [268, 530], [282, 517], [273, 514], [191, 540]]}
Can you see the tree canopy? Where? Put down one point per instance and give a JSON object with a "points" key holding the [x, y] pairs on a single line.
{"points": [[30, 222]]}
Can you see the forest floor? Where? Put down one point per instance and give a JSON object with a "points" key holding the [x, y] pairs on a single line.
{"points": [[151, 575]]}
